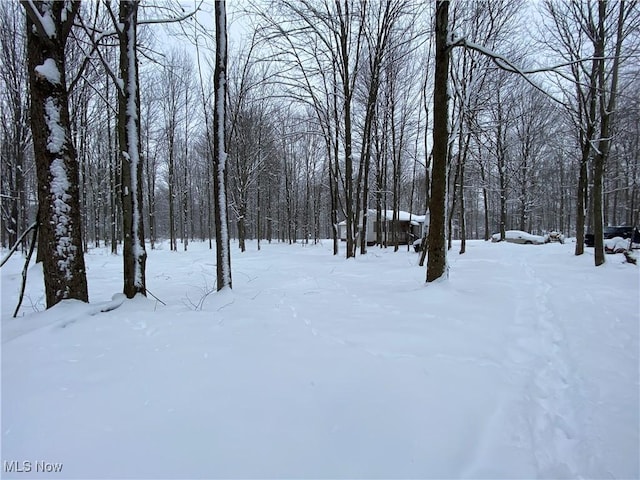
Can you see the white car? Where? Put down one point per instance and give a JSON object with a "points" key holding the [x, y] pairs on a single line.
{"points": [[518, 236]]}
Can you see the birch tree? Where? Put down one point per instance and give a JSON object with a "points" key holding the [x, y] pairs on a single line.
{"points": [[60, 231]]}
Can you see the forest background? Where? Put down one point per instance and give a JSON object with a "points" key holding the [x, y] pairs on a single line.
{"points": [[328, 109]]}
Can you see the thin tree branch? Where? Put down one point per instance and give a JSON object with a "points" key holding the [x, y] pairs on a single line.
{"points": [[15, 246], [25, 269]]}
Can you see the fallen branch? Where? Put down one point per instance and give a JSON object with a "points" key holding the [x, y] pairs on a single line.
{"points": [[26, 265]]}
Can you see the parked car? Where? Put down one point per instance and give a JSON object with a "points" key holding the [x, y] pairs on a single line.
{"points": [[518, 236], [556, 236], [623, 231]]}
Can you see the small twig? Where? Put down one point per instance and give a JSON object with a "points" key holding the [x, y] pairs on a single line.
{"points": [[256, 295], [221, 321], [205, 292], [156, 297], [227, 304], [249, 278]]}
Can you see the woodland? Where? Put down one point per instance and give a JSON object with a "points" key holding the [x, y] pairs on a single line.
{"points": [[127, 123]]}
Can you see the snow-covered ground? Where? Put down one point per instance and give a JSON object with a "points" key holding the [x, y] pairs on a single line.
{"points": [[524, 364]]}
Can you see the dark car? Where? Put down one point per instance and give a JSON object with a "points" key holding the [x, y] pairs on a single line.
{"points": [[623, 231]]}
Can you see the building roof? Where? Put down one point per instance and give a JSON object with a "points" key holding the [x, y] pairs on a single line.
{"points": [[388, 215], [402, 216]]}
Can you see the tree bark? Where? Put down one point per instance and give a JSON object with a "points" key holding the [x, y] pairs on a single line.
{"points": [[607, 111], [134, 253], [437, 261], [59, 221], [223, 256]]}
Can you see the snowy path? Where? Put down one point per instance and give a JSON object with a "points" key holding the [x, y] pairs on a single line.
{"points": [[523, 365], [553, 391]]}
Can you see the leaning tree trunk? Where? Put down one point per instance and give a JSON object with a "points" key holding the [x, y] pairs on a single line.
{"points": [[223, 257], [59, 222], [134, 253], [437, 261]]}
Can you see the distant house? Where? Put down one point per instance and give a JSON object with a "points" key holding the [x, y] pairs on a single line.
{"points": [[408, 227]]}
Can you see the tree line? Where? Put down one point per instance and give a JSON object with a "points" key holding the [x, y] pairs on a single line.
{"points": [[322, 110]]}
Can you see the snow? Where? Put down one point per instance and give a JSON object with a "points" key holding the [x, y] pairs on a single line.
{"points": [[45, 18], [56, 139], [402, 216], [49, 70], [524, 364], [616, 244], [65, 249], [68, 8]]}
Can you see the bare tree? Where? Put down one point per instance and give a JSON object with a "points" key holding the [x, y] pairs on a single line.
{"points": [[59, 221], [607, 106], [249, 134], [589, 37], [324, 41], [16, 135], [223, 257], [134, 253], [177, 107], [437, 259], [380, 23]]}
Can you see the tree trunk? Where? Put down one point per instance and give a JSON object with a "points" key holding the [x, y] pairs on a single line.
{"points": [[185, 201], [586, 139], [454, 199], [114, 187], [503, 194], [427, 182], [463, 223], [151, 202], [352, 220], [223, 257], [173, 242], [134, 253], [607, 111], [437, 261], [59, 222], [485, 201]]}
